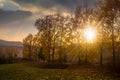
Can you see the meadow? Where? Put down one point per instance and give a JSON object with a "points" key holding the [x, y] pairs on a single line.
{"points": [[27, 71]]}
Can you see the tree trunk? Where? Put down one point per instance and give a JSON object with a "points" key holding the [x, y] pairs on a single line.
{"points": [[60, 54], [101, 56], [53, 52], [30, 52], [113, 47], [61, 50], [86, 56], [49, 55]]}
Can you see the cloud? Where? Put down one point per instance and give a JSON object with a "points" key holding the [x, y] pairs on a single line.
{"points": [[9, 5], [60, 5], [1, 5], [16, 30], [10, 16], [43, 6]]}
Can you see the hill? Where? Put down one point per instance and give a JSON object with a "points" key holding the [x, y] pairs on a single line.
{"points": [[4, 43], [13, 47]]}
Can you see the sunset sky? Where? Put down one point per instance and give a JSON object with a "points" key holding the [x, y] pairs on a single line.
{"points": [[17, 17]]}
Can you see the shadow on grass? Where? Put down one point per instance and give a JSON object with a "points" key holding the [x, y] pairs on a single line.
{"points": [[48, 65]]}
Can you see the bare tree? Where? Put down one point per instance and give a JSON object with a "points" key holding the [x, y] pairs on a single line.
{"points": [[109, 10], [83, 16]]}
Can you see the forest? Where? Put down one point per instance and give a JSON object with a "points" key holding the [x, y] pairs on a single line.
{"points": [[91, 35]]}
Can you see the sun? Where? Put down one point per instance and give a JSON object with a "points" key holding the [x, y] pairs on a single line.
{"points": [[90, 34]]}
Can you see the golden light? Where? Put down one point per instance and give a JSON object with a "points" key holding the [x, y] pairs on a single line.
{"points": [[90, 33]]}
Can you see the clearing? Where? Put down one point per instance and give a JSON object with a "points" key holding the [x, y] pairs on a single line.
{"points": [[23, 71]]}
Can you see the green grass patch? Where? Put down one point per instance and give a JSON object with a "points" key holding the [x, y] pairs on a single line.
{"points": [[29, 71]]}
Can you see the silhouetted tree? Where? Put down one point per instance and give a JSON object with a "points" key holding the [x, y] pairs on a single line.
{"points": [[84, 16], [41, 55], [54, 29], [108, 15], [27, 47]]}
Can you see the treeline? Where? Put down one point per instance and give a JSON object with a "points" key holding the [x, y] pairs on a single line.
{"points": [[8, 54], [60, 38]]}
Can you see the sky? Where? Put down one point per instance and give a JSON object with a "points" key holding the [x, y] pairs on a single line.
{"points": [[17, 17]]}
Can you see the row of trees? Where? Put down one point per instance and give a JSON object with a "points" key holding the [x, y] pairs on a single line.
{"points": [[8, 54], [60, 38]]}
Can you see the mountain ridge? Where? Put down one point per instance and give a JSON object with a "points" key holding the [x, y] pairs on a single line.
{"points": [[5, 43]]}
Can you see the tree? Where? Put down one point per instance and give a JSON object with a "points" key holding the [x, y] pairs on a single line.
{"points": [[108, 15], [84, 16], [41, 55], [27, 49], [45, 27], [55, 30]]}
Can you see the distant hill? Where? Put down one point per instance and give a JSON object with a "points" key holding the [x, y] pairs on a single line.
{"points": [[4, 43], [14, 46]]}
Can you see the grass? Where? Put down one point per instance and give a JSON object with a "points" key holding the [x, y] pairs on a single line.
{"points": [[24, 71]]}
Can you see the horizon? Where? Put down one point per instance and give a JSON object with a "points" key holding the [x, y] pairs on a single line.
{"points": [[11, 40]]}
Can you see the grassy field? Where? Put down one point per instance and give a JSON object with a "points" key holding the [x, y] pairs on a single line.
{"points": [[27, 72]]}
